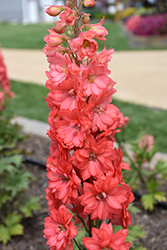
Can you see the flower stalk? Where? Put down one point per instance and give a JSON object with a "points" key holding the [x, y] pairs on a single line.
{"points": [[85, 188]]}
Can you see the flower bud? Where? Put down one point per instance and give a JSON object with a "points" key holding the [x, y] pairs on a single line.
{"points": [[89, 3], [59, 28], [69, 4], [85, 18], [54, 10]]}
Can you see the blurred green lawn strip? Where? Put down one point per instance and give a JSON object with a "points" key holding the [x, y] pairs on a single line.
{"points": [[29, 102], [31, 36]]}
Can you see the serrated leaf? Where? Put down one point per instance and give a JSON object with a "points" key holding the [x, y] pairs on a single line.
{"points": [[5, 166], [12, 219], [133, 209], [3, 198], [148, 201], [152, 184], [31, 204], [17, 229], [4, 234], [160, 196], [17, 182], [135, 232]]}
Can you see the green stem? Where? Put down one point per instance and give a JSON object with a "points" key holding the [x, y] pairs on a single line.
{"points": [[138, 169], [77, 244], [83, 222], [91, 224]]}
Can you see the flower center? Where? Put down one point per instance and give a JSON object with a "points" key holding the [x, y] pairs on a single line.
{"points": [[106, 248], [72, 93], [91, 78], [85, 44], [77, 127], [92, 157], [102, 196], [98, 109], [60, 229]]}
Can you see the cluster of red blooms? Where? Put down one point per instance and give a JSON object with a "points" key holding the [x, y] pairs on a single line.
{"points": [[84, 169], [4, 83]]}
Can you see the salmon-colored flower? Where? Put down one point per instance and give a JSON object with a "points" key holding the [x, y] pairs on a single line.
{"points": [[68, 16], [98, 29], [59, 230], [74, 128], [123, 120], [95, 79], [66, 94], [84, 45], [102, 113], [54, 39], [64, 182], [105, 56], [94, 158], [104, 238], [58, 69], [103, 198]]}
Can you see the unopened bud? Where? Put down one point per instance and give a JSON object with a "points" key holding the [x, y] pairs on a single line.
{"points": [[89, 3], [59, 28], [69, 4], [54, 10], [85, 18]]}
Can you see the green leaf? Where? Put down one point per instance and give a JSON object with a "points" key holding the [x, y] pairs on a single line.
{"points": [[132, 178], [160, 196], [3, 198], [5, 166], [12, 227], [135, 232], [12, 219], [31, 204], [4, 234], [17, 182], [17, 229], [133, 209], [148, 201], [161, 166], [152, 184]]}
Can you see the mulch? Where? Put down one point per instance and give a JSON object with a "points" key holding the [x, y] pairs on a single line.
{"points": [[154, 223]]}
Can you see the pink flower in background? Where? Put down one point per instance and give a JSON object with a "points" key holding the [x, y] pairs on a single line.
{"points": [[123, 120], [147, 141], [5, 92]]}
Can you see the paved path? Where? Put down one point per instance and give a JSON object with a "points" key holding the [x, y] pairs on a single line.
{"points": [[141, 76]]}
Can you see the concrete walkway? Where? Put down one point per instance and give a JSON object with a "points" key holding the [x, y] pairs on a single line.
{"points": [[141, 76]]}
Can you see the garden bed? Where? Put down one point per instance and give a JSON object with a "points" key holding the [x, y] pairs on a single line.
{"points": [[143, 42], [154, 223]]}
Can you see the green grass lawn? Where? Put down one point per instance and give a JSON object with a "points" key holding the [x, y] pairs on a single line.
{"points": [[30, 102], [31, 36]]}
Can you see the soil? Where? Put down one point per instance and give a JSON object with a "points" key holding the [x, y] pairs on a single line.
{"points": [[154, 223]]}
